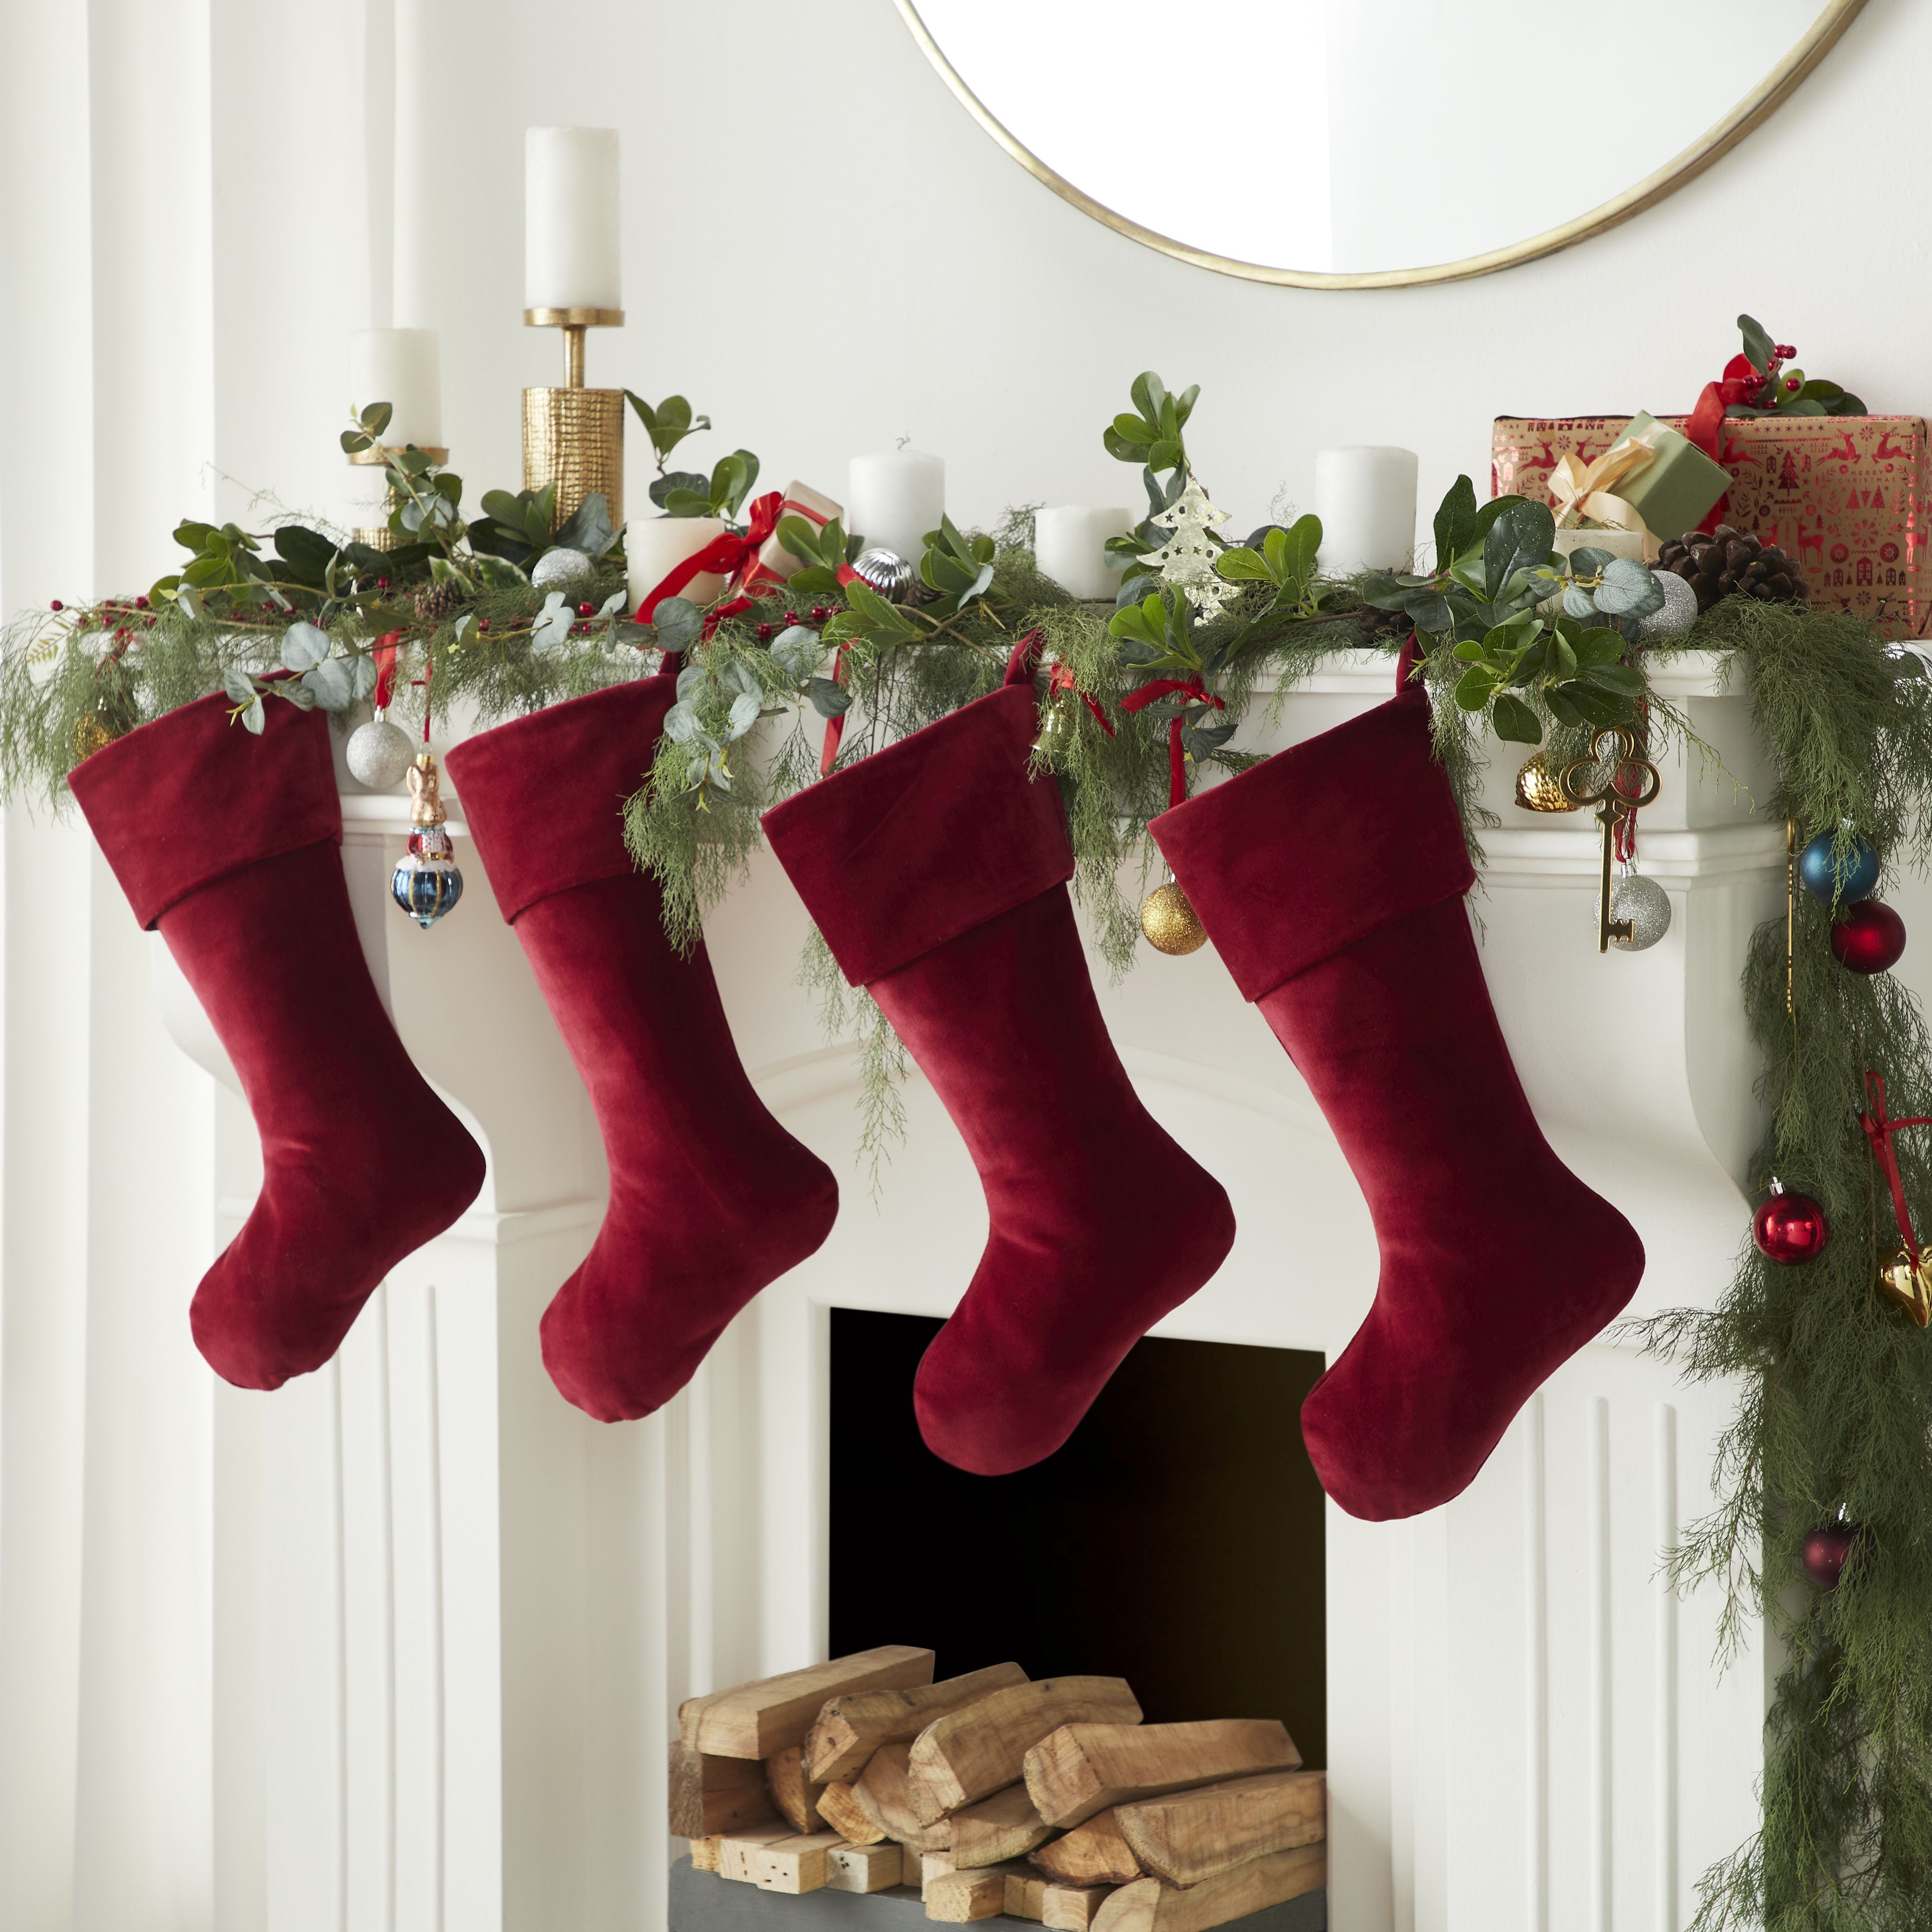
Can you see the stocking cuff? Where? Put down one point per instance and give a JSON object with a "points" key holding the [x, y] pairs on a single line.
{"points": [[1320, 846], [179, 803], [927, 839], [543, 796]]}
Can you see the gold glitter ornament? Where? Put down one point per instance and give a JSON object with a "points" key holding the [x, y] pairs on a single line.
{"points": [[91, 731], [1540, 789], [1170, 922]]}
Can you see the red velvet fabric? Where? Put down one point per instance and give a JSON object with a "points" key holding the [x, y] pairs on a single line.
{"points": [[710, 1197], [1331, 878], [228, 842], [1100, 1223]]}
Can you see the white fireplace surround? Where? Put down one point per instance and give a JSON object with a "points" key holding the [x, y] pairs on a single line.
{"points": [[395, 1650], [460, 1616]]}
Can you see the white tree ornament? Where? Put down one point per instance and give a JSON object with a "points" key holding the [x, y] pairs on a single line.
{"points": [[1186, 562]]}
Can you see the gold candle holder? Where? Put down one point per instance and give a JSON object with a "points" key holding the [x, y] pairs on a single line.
{"points": [[574, 437], [379, 536]]}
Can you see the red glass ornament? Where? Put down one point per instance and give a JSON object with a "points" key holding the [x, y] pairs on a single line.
{"points": [[1827, 1551], [1789, 1228], [1870, 937]]}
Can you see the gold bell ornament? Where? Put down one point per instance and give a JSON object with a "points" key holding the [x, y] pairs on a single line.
{"points": [[1540, 789], [1170, 922]]}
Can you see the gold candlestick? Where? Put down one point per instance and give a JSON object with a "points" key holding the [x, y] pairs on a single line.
{"points": [[573, 437], [379, 536]]}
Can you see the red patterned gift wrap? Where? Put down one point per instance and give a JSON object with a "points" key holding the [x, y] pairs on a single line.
{"points": [[1845, 495]]}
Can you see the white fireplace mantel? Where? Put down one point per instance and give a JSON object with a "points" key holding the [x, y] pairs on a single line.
{"points": [[470, 1613]]}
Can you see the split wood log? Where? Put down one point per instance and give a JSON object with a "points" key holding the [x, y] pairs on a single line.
{"points": [[1150, 1905], [794, 1865], [881, 1793], [704, 1854], [1083, 1768], [736, 1849], [863, 1868], [1026, 1896], [712, 1794], [971, 1753], [958, 1898], [761, 1719], [1188, 1836], [1003, 1827], [838, 1807], [1094, 1853], [922, 1867], [1073, 1908], [796, 1800], [849, 1728]]}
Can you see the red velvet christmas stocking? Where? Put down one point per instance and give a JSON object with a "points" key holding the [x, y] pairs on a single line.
{"points": [[227, 843], [936, 871], [710, 1197], [1330, 880]]}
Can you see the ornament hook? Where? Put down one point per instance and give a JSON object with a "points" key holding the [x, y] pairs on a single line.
{"points": [[1615, 805]]}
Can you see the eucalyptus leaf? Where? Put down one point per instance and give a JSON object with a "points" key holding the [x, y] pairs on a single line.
{"points": [[680, 722], [255, 717], [304, 645], [744, 709], [1578, 603], [678, 622], [238, 687], [1628, 589], [829, 698], [365, 676], [333, 682], [551, 630]]}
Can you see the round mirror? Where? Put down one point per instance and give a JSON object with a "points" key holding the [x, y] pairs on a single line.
{"points": [[1358, 143]]}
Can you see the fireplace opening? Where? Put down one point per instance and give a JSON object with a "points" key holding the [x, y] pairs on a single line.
{"points": [[1176, 1540]]}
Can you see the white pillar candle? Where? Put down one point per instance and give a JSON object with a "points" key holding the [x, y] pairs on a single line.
{"points": [[400, 366], [1366, 499], [654, 547], [894, 498], [1070, 543], [573, 257]]}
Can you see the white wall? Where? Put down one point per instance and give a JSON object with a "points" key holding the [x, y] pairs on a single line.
{"points": [[824, 253]]}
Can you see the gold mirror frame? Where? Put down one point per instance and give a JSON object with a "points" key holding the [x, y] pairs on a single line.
{"points": [[1757, 108]]}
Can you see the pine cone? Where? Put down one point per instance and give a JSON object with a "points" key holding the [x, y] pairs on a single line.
{"points": [[436, 601], [1726, 562]]}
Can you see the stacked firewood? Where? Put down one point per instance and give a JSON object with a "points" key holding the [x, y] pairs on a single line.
{"points": [[991, 1793]]}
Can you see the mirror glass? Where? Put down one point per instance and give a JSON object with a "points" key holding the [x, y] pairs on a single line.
{"points": [[1395, 139]]}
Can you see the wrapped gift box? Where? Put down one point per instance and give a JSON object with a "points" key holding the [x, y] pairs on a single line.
{"points": [[1845, 495]]}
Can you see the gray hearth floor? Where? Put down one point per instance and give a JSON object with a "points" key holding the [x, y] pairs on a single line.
{"points": [[703, 1902]]}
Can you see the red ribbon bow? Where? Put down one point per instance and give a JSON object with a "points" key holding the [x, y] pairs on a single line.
{"points": [[1878, 1131], [1177, 764], [1741, 381], [734, 555]]}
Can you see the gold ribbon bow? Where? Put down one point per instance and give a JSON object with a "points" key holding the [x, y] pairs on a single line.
{"points": [[1580, 493]]}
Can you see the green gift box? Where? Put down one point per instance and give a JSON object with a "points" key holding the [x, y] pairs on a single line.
{"points": [[1675, 489]]}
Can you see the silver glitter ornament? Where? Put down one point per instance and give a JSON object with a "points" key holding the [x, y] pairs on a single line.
{"points": [[888, 573], [378, 753], [1679, 612], [1646, 905], [557, 568]]}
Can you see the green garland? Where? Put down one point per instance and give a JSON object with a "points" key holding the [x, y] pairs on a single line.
{"points": [[1835, 1415], [1834, 1419]]}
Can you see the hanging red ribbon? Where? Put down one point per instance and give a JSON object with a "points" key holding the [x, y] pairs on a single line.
{"points": [[1878, 1131], [385, 655], [1177, 762], [1060, 679], [422, 684]]}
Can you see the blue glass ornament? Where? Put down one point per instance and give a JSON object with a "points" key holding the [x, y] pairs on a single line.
{"points": [[1819, 876], [427, 882]]}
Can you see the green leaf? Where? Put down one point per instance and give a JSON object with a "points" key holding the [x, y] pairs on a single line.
{"points": [[1455, 522], [1149, 392], [1165, 455], [333, 682], [354, 442], [304, 645], [589, 527], [1628, 590], [504, 507], [254, 717], [1512, 720], [1758, 346], [1473, 687], [1518, 539], [830, 699], [1626, 680], [376, 418], [308, 552], [1243, 566], [682, 483]]}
